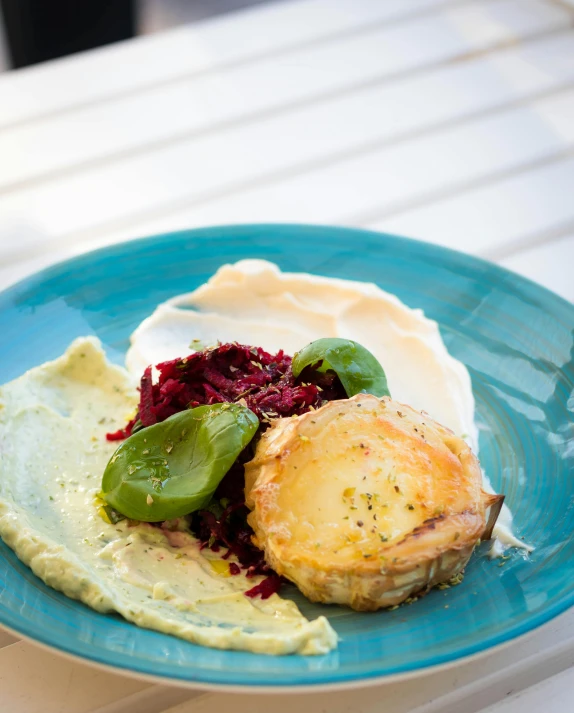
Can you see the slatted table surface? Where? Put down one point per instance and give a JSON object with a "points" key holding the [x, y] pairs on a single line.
{"points": [[447, 120]]}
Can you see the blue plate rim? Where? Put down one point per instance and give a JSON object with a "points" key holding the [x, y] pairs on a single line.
{"points": [[357, 683], [465, 258]]}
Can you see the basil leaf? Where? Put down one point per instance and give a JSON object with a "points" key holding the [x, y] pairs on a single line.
{"points": [[173, 468], [356, 367]]}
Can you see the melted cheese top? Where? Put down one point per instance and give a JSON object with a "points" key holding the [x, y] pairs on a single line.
{"points": [[346, 482]]}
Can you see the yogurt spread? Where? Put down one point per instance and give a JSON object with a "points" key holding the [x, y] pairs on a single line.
{"points": [[253, 302]]}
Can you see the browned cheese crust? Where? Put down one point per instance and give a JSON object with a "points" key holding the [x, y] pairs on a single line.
{"points": [[366, 502]]}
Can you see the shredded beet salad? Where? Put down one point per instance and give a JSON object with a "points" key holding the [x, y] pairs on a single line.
{"points": [[265, 384]]}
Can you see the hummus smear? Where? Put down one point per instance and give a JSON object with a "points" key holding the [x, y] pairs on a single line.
{"points": [[53, 451]]}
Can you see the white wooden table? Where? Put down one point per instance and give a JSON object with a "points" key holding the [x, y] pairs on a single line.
{"points": [[447, 120]]}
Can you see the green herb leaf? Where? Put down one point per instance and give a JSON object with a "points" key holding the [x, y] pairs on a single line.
{"points": [[173, 468], [356, 367], [113, 515]]}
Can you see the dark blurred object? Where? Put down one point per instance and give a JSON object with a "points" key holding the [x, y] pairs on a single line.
{"points": [[38, 30]]}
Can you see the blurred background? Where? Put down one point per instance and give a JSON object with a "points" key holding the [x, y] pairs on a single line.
{"points": [[32, 31], [450, 121]]}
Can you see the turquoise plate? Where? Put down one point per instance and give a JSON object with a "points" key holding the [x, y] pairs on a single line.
{"points": [[517, 340]]}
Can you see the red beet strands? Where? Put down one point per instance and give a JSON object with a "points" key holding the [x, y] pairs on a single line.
{"points": [[264, 383], [230, 372], [270, 585], [122, 433], [147, 412], [230, 530]]}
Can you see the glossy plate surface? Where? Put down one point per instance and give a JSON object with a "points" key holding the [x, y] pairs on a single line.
{"points": [[517, 340]]}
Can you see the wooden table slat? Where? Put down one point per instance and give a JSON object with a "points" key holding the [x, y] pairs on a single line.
{"points": [[5, 638], [502, 217], [58, 685], [551, 696], [99, 131], [549, 264], [178, 115], [222, 42], [364, 189]]}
